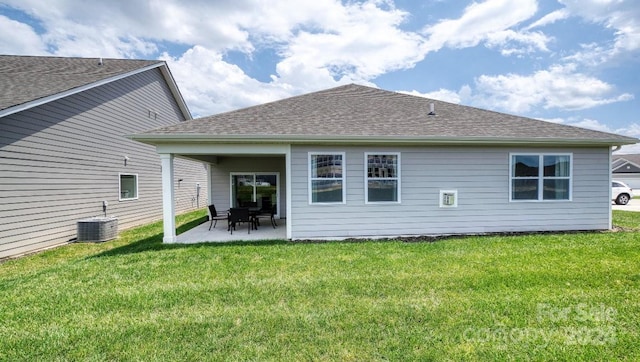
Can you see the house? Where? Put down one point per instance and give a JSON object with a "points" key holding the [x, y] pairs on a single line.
{"points": [[626, 168], [63, 150], [355, 161]]}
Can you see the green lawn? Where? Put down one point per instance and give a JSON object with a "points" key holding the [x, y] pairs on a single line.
{"points": [[572, 296]]}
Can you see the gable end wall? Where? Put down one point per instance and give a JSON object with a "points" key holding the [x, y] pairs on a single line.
{"points": [[60, 160]]}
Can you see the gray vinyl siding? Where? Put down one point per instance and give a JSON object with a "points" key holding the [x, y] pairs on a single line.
{"points": [[60, 160], [221, 181], [481, 176]]}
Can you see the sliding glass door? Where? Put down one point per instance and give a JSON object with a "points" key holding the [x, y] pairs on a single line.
{"points": [[258, 189]]}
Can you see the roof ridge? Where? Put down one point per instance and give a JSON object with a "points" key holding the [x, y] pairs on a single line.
{"points": [[29, 80], [79, 58]]}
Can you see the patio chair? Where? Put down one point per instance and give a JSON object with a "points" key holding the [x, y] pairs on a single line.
{"points": [[215, 217], [268, 214], [238, 215]]}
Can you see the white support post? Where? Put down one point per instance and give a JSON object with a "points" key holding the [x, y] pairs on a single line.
{"points": [[611, 151], [168, 199], [209, 184], [288, 182]]}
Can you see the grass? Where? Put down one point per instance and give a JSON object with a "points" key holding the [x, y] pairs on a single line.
{"points": [[626, 220], [571, 296]]}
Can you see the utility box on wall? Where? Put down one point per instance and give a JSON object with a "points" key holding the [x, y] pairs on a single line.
{"points": [[97, 229], [448, 198]]}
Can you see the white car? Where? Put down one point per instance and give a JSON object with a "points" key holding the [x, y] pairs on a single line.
{"points": [[620, 192]]}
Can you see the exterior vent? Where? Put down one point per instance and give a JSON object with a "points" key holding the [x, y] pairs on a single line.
{"points": [[432, 110], [448, 198], [98, 229]]}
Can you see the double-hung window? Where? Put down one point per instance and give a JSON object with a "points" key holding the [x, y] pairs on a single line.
{"points": [[540, 177], [327, 178], [382, 181]]}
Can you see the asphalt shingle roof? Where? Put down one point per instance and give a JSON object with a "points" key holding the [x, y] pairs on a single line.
{"points": [[635, 158], [355, 111], [27, 78]]}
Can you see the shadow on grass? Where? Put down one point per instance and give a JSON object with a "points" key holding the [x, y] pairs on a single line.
{"points": [[154, 243]]}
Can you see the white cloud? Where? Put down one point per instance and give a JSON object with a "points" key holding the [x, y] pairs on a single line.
{"points": [[630, 149], [20, 39], [513, 42], [487, 21], [185, 22], [559, 87], [210, 85], [620, 17], [441, 94], [106, 43], [361, 42], [630, 130], [592, 124], [550, 19], [320, 43]]}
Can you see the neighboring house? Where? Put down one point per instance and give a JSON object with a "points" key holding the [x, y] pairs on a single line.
{"points": [[355, 161], [63, 150], [626, 168]]}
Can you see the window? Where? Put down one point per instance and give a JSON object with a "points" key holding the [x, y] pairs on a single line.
{"points": [[382, 181], [540, 177], [326, 178], [128, 187]]}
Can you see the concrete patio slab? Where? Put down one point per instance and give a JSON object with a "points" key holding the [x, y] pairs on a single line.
{"points": [[201, 233]]}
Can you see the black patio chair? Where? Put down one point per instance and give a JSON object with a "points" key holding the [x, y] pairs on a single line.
{"points": [[270, 213], [215, 217], [238, 215]]}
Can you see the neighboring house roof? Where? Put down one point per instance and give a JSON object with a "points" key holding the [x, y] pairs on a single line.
{"points": [[626, 163], [355, 113], [28, 81]]}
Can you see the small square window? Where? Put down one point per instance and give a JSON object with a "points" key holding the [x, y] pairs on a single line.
{"points": [[128, 187]]}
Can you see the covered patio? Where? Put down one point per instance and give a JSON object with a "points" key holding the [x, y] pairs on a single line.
{"points": [[219, 234], [229, 166]]}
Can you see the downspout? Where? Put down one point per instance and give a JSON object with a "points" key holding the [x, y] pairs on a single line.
{"points": [[615, 149]]}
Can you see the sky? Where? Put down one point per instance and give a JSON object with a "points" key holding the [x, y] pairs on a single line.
{"points": [[575, 62]]}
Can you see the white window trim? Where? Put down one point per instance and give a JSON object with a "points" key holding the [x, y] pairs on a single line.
{"points": [[366, 178], [343, 179], [120, 186], [540, 176]]}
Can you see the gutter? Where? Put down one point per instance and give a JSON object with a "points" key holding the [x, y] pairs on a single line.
{"points": [[156, 139]]}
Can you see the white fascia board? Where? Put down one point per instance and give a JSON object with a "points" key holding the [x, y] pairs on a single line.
{"points": [[158, 139], [166, 73], [53, 97], [222, 149]]}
